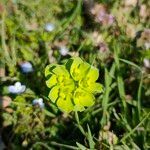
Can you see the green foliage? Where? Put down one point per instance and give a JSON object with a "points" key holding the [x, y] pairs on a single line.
{"points": [[113, 40]]}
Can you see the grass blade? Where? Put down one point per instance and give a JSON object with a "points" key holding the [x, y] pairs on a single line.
{"points": [[82, 147], [133, 130], [90, 139]]}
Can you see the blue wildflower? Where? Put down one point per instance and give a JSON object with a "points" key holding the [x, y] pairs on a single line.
{"points": [[26, 67], [63, 50], [17, 88], [38, 101], [49, 27]]}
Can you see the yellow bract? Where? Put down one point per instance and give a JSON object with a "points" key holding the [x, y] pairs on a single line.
{"points": [[73, 85]]}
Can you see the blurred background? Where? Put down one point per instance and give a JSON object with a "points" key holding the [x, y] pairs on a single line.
{"points": [[112, 35]]}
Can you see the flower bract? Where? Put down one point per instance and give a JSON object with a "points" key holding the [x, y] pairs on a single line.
{"points": [[72, 85]]}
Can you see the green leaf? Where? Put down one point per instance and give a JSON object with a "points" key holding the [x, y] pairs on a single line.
{"points": [[48, 113], [90, 139], [27, 53], [81, 147]]}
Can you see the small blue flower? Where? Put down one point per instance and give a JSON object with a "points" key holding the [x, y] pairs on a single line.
{"points": [[17, 88], [38, 101], [26, 67], [49, 27], [63, 50]]}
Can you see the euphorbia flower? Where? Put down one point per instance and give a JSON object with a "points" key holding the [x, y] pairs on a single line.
{"points": [[73, 85], [78, 68], [58, 76], [64, 102], [83, 98], [90, 81]]}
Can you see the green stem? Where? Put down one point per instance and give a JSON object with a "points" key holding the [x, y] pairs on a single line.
{"points": [[132, 131], [64, 145], [42, 144], [78, 122], [120, 82], [3, 37], [139, 96], [140, 85]]}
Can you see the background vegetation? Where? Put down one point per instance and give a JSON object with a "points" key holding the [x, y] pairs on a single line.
{"points": [[112, 35]]}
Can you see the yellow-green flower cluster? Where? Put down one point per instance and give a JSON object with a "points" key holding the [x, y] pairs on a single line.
{"points": [[73, 85]]}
